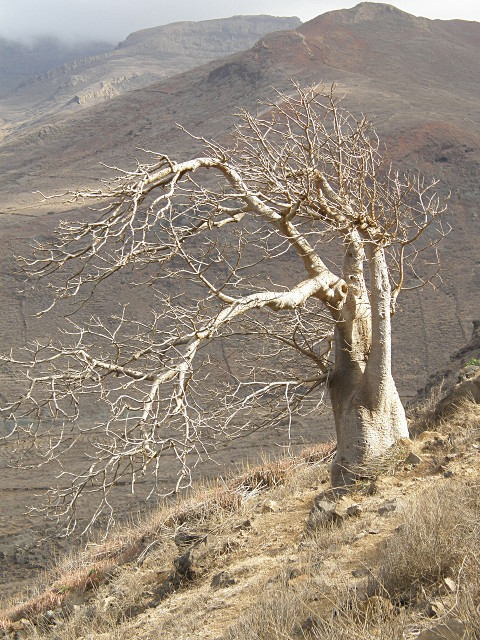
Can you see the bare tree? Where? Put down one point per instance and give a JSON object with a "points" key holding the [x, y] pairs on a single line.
{"points": [[249, 315]]}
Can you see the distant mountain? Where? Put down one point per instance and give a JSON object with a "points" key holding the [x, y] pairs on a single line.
{"points": [[419, 78], [144, 57], [20, 62]]}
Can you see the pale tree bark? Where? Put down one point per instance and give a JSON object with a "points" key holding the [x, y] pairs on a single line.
{"points": [[369, 415], [302, 178]]}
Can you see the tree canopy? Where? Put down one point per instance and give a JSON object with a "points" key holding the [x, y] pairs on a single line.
{"points": [[272, 263]]}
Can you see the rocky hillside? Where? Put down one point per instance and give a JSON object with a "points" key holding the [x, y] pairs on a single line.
{"points": [[425, 99], [275, 554], [144, 57], [458, 380]]}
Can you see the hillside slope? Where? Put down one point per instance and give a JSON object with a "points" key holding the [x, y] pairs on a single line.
{"points": [[421, 80], [275, 554]]}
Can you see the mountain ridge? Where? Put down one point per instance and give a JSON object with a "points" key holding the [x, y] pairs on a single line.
{"points": [[143, 58]]}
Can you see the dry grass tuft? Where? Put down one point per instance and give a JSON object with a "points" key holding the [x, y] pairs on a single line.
{"points": [[387, 465], [316, 453], [460, 415], [468, 608], [439, 530], [291, 614], [83, 579], [50, 599], [279, 613], [423, 416], [272, 473]]}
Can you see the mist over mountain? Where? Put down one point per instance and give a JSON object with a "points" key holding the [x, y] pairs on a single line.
{"points": [[20, 61], [146, 56]]}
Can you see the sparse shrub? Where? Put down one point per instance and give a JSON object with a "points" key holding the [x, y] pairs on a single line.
{"points": [[355, 617], [211, 504], [289, 614], [279, 613], [319, 452], [475, 362], [423, 415], [268, 474], [438, 531]]}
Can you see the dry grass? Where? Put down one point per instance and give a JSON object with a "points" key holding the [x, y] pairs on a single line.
{"points": [[433, 535], [279, 613], [207, 508], [438, 534], [461, 415], [423, 416], [438, 537], [287, 616], [468, 607], [315, 610]]}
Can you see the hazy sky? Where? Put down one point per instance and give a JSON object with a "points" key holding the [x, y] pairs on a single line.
{"points": [[113, 20]]}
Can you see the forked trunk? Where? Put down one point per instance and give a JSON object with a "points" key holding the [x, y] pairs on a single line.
{"points": [[368, 420], [369, 416]]}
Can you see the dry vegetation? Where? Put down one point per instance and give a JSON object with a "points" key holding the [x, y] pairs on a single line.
{"points": [[245, 560]]}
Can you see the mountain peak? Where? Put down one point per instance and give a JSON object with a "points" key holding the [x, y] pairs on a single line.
{"points": [[368, 12]]}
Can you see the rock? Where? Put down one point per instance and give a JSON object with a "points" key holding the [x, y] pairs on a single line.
{"points": [[450, 584], [372, 488], [434, 609], [193, 563], [387, 507], [413, 459], [323, 513], [469, 372], [327, 510], [354, 510], [451, 630], [360, 573], [187, 567], [270, 506], [222, 580], [308, 626], [347, 507], [185, 539]]}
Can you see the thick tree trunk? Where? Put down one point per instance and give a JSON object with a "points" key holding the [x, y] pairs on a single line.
{"points": [[369, 416], [367, 422]]}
